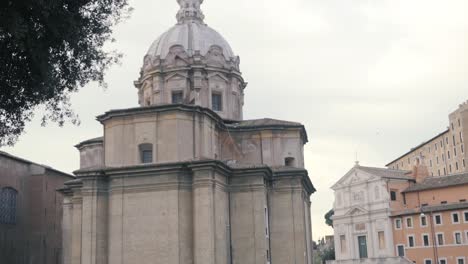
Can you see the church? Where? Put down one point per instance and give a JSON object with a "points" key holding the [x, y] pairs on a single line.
{"points": [[183, 178]]}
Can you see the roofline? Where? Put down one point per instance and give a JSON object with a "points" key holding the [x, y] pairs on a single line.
{"points": [[10, 156], [96, 140], [418, 147], [431, 209], [437, 187], [224, 123], [334, 186]]}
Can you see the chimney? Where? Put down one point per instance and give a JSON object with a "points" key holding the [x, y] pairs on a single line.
{"points": [[420, 171]]}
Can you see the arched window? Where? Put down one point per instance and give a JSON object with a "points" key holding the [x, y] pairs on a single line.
{"points": [[146, 153], [8, 198]]}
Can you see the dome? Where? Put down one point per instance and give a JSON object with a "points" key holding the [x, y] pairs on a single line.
{"points": [[192, 64], [194, 37], [191, 33]]}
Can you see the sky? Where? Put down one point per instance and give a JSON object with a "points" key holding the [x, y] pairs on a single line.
{"points": [[368, 78]]}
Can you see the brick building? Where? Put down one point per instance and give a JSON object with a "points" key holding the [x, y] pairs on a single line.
{"points": [[430, 220], [30, 212]]}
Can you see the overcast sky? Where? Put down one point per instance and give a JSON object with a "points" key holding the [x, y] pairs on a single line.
{"points": [[375, 77]]}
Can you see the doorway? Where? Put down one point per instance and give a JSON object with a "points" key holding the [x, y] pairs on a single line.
{"points": [[362, 242]]}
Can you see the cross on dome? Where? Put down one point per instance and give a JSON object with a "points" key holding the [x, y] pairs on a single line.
{"points": [[190, 11]]}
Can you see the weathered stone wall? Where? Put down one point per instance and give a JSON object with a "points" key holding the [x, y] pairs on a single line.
{"points": [[196, 212], [36, 237]]}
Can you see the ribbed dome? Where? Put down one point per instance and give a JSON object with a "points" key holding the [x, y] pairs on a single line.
{"points": [[193, 36]]}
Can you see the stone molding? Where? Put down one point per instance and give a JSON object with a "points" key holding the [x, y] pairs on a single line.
{"points": [[222, 124], [278, 181]]}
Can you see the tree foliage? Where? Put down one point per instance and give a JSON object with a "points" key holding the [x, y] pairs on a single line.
{"points": [[328, 217], [48, 50], [327, 254]]}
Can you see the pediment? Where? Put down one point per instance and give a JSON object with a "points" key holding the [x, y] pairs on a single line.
{"points": [[356, 211], [354, 176], [218, 76], [177, 76]]}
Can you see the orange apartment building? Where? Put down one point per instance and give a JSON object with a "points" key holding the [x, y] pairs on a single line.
{"points": [[430, 218]]}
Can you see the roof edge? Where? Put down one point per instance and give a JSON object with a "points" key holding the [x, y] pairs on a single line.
{"points": [[418, 146]]}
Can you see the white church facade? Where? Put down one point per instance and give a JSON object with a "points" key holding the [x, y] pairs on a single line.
{"points": [[183, 178], [363, 230]]}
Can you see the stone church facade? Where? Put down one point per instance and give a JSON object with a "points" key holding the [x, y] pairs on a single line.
{"points": [[362, 209], [183, 178]]}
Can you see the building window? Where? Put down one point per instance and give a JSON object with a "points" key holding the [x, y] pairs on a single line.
{"points": [[267, 223], [343, 243], [425, 239], [455, 218], [430, 161], [454, 142], [216, 102], [462, 149], [401, 250], [146, 153], [428, 261], [381, 235], [409, 222], [460, 260], [461, 138], [445, 171], [440, 239], [410, 241], [8, 198], [458, 238], [464, 164], [438, 219], [450, 168], [465, 216], [423, 221], [398, 223], [177, 97], [442, 261], [438, 171], [456, 165], [435, 146], [289, 162], [455, 152], [448, 154], [393, 195]]}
